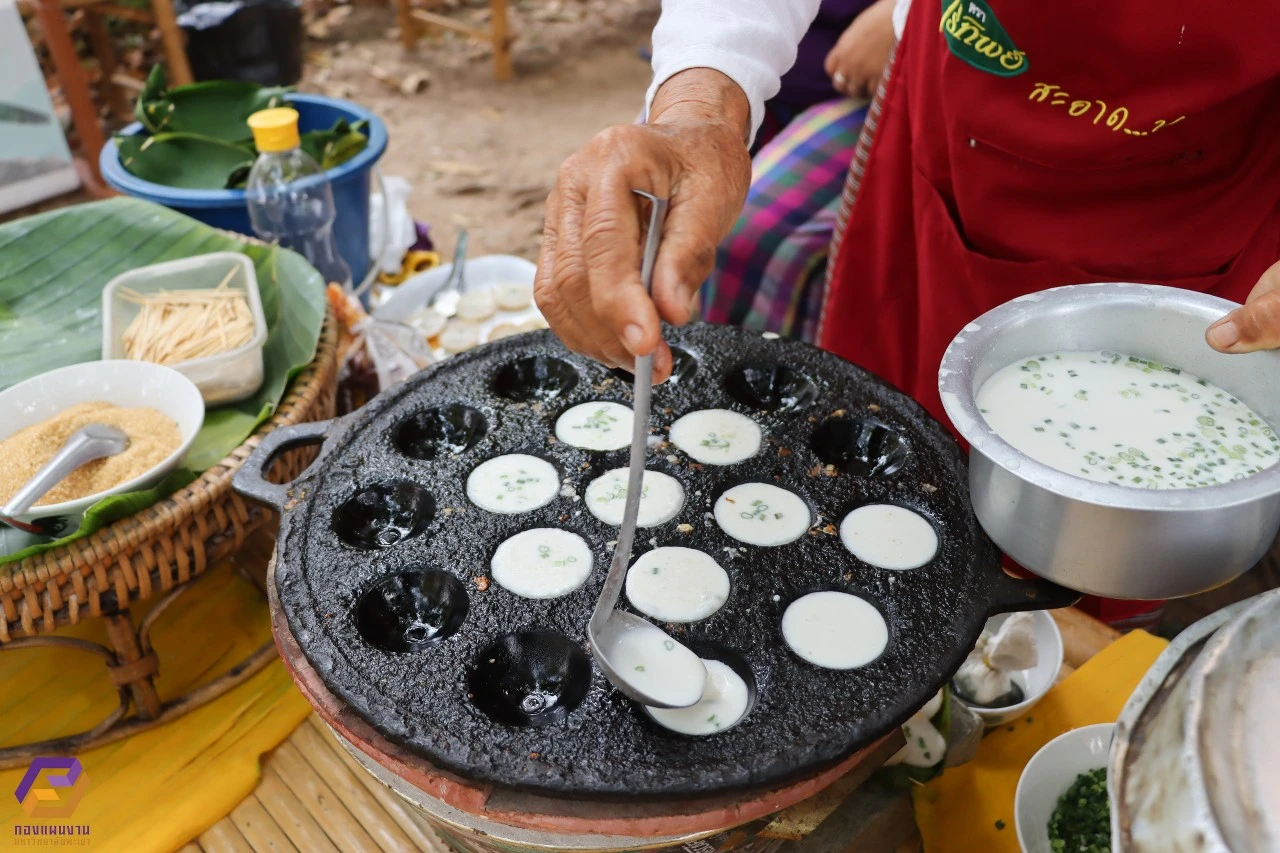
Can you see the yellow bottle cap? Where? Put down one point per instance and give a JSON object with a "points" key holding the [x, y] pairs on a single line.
{"points": [[275, 129]]}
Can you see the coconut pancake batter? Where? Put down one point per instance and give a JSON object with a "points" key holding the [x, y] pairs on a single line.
{"points": [[1017, 146]]}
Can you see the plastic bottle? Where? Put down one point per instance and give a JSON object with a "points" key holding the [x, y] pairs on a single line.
{"points": [[290, 199]]}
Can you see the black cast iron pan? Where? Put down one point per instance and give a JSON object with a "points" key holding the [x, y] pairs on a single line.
{"points": [[383, 566]]}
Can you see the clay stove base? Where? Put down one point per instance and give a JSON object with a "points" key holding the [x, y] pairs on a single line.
{"points": [[539, 822]]}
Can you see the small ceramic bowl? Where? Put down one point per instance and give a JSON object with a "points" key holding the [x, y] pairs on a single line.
{"points": [[1049, 774], [122, 383], [1036, 681]]}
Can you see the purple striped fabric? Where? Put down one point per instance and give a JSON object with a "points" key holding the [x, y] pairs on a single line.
{"points": [[771, 269]]}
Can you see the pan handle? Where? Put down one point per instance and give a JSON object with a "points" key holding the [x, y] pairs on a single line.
{"points": [[250, 480], [1010, 595]]}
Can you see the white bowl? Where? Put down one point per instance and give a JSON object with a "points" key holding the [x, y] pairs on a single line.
{"points": [[122, 383], [1049, 774], [227, 377], [481, 273], [1036, 681]]}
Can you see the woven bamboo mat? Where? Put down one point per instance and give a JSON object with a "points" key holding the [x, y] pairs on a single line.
{"points": [[313, 797]]}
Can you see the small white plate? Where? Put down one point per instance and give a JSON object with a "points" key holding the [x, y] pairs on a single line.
{"points": [[1049, 774], [483, 273]]}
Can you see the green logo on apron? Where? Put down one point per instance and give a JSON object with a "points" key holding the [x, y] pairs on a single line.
{"points": [[974, 34]]}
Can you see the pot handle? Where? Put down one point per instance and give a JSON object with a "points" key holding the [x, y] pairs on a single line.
{"points": [[250, 481], [1010, 595]]}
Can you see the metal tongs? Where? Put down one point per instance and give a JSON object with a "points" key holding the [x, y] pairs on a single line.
{"points": [[613, 633]]}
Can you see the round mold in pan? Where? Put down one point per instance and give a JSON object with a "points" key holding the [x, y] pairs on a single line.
{"points": [[598, 744]]}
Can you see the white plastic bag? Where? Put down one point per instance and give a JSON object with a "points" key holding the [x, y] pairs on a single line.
{"points": [[396, 351], [388, 248]]}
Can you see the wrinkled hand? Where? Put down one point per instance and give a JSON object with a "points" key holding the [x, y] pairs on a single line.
{"points": [[693, 154], [856, 62], [1256, 325]]}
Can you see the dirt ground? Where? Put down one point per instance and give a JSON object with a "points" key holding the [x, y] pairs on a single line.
{"points": [[480, 154]]}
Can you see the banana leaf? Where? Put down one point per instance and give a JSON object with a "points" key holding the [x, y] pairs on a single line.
{"points": [[337, 145], [215, 108], [185, 160], [903, 776], [53, 267]]}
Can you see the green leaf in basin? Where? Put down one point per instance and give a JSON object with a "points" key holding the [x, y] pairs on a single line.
{"points": [[183, 160], [338, 144], [54, 265], [218, 109]]}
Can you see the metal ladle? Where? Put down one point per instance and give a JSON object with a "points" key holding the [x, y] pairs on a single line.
{"points": [[86, 444], [612, 631]]}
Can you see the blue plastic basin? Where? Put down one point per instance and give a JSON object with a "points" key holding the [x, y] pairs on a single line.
{"points": [[226, 208]]}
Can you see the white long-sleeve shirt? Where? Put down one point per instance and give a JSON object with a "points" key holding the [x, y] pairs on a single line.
{"points": [[752, 42]]}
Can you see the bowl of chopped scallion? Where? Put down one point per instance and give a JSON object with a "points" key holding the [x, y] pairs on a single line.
{"points": [[1061, 804]]}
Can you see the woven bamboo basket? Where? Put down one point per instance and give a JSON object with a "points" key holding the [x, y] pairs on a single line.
{"points": [[172, 541]]}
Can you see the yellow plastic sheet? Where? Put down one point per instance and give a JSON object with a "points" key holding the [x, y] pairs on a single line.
{"points": [[960, 810], [159, 789]]}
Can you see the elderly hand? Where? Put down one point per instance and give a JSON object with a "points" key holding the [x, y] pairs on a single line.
{"points": [[1256, 325], [692, 153], [859, 57]]}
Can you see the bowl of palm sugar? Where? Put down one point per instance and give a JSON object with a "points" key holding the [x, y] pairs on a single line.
{"points": [[158, 408]]}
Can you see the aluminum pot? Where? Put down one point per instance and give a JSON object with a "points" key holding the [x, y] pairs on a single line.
{"points": [[1195, 764], [1098, 538]]}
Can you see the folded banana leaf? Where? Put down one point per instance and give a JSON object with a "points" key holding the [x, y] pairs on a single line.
{"points": [[215, 108], [186, 160], [338, 144], [53, 267]]}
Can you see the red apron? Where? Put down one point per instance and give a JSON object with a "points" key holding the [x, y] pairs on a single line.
{"points": [[1024, 145]]}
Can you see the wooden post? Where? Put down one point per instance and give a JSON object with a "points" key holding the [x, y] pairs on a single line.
{"points": [[502, 67], [75, 85], [408, 26], [124, 640], [175, 48], [100, 41]]}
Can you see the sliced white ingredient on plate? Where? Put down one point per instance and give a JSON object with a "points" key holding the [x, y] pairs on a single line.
{"points": [[661, 497], [542, 563], [513, 296], [428, 321], [889, 537], [674, 584], [762, 514], [596, 426], [834, 630], [724, 703], [459, 336], [717, 436], [513, 483], [476, 306], [503, 330], [534, 324]]}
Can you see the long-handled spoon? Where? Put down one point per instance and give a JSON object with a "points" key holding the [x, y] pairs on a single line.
{"points": [[85, 445], [445, 300], [638, 657]]}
